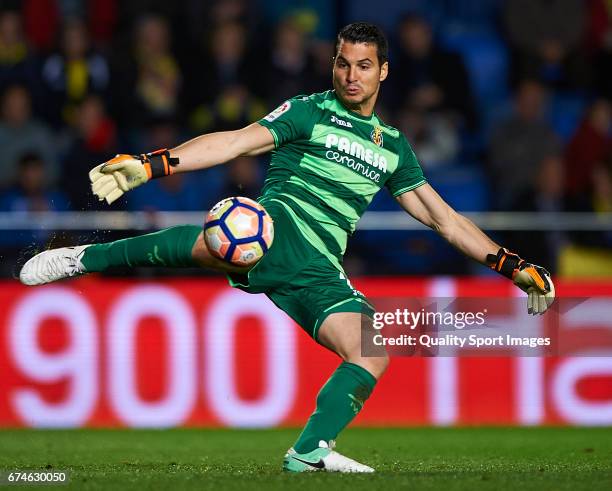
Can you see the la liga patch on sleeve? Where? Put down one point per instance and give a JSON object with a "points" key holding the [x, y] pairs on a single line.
{"points": [[283, 108]]}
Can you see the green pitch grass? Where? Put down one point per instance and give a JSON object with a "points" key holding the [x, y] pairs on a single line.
{"points": [[227, 460]]}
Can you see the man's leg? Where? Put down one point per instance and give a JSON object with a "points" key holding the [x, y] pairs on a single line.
{"points": [[344, 394], [179, 246]]}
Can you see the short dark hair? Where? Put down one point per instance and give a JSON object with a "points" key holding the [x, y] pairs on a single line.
{"points": [[364, 32]]}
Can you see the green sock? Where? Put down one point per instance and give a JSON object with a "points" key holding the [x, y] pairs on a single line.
{"points": [[338, 402], [169, 247]]}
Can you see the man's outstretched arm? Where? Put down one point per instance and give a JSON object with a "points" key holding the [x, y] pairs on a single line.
{"points": [[124, 172], [424, 204], [217, 148]]}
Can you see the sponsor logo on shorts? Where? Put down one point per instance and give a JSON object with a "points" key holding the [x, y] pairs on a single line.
{"points": [[283, 108]]}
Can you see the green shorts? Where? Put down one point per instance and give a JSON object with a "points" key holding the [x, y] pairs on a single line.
{"points": [[299, 279]]}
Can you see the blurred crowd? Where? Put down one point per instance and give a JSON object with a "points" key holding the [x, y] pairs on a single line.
{"points": [[507, 109]]}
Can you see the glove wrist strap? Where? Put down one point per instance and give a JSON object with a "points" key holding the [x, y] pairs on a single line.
{"points": [[505, 262], [159, 163]]}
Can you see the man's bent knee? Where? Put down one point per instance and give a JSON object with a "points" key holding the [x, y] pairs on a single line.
{"points": [[342, 333], [376, 365], [204, 258]]}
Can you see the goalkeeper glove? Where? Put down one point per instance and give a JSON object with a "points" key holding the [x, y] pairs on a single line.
{"points": [[124, 172], [532, 279]]}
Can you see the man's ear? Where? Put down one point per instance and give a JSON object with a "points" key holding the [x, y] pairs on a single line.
{"points": [[384, 71]]}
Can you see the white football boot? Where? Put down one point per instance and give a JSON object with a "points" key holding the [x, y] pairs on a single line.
{"points": [[53, 265], [323, 458]]}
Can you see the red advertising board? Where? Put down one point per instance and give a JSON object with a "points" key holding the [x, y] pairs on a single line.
{"points": [[185, 352]]}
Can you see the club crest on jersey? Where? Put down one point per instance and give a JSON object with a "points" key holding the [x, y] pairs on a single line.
{"points": [[283, 108], [377, 136]]}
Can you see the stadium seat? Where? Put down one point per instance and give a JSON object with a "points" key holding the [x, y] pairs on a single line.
{"points": [[486, 60], [565, 112], [472, 14], [464, 187]]}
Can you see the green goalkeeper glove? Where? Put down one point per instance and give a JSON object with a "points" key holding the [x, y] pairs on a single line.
{"points": [[532, 279], [124, 172]]}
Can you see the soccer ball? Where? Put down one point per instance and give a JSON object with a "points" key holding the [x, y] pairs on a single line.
{"points": [[238, 230]]}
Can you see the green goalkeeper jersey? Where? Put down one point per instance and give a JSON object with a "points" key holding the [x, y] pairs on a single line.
{"points": [[327, 165]]}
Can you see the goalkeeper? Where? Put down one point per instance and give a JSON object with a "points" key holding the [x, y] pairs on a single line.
{"points": [[331, 154]]}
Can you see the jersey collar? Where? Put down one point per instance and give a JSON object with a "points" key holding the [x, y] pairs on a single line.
{"points": [[370, 119]]}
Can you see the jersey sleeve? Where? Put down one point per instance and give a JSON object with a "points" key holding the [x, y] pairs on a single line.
{"points": [[408, 174], [290, 121]]}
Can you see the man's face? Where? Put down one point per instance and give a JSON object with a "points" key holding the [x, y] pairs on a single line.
{"points": [[357, 73]]}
